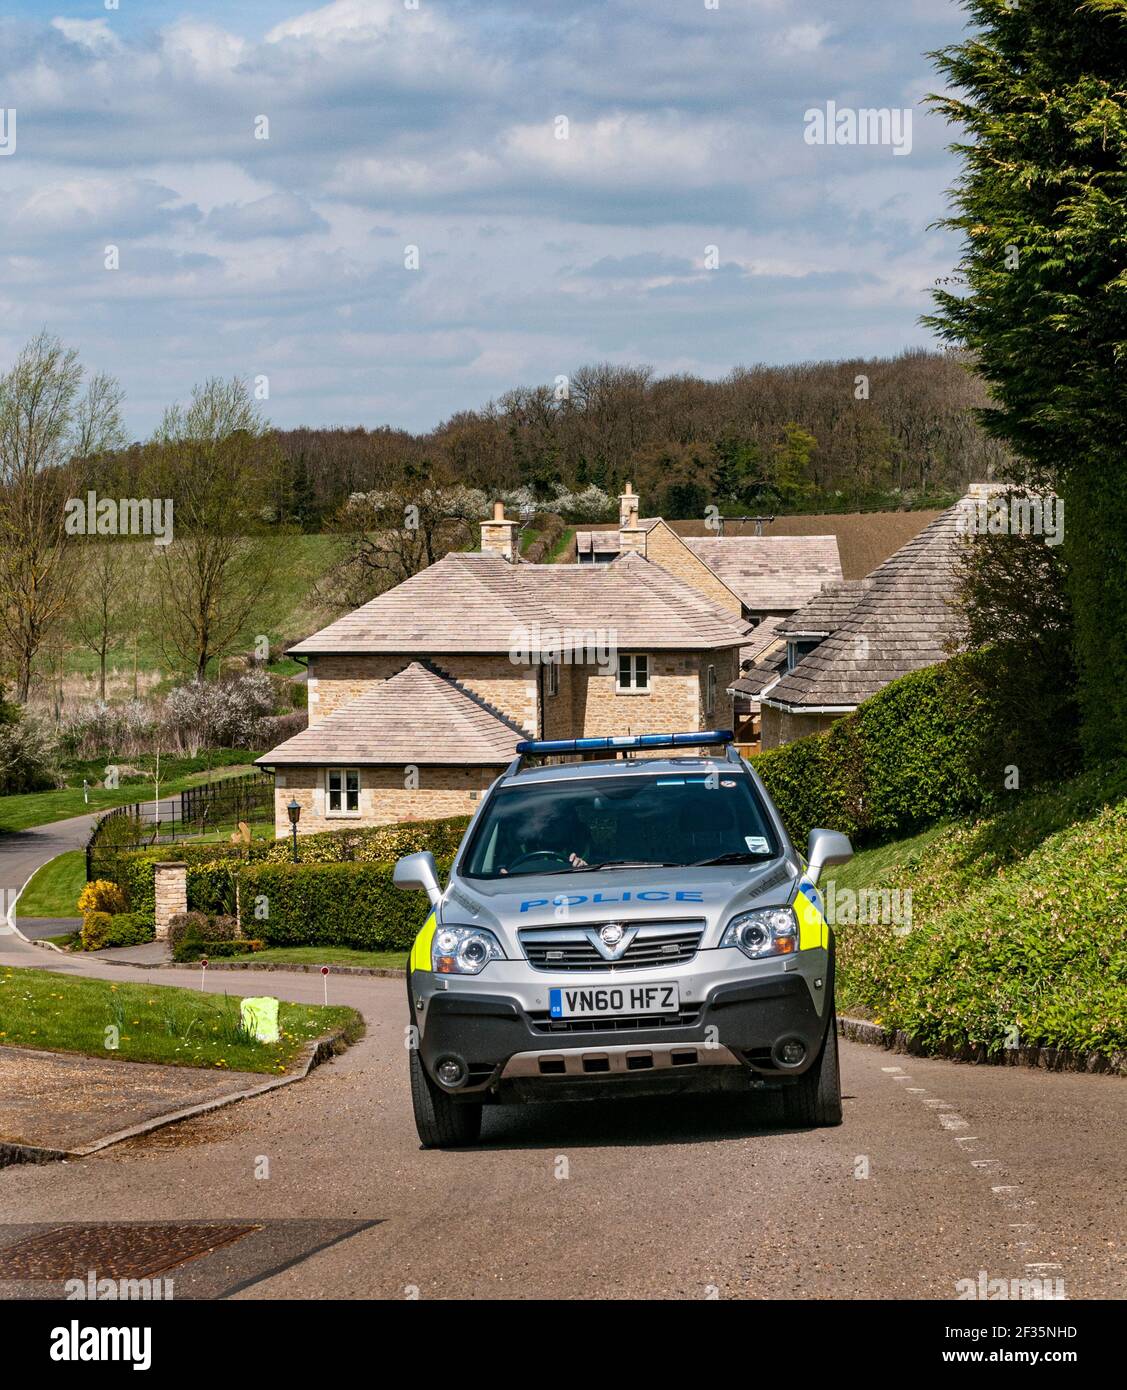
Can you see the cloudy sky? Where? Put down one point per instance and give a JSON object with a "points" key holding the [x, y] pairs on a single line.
{"points": [[436, 124]]}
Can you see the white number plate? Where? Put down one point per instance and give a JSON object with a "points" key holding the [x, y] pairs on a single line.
{"points": [[577, 1001]]}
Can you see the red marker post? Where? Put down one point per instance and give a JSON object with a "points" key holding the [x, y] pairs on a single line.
{"points": [[203, 971], [325, 980]]}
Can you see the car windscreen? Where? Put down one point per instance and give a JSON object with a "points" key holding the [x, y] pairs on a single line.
{"points": [[576, 825]]}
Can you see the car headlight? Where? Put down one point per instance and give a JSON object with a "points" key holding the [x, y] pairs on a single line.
{"points": [[766, 931], [464, 950]]}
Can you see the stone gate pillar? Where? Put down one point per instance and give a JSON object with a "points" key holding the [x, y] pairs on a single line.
{"points": [[171, 885]]}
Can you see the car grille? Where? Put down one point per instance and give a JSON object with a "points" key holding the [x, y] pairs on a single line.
{"points": [[544, 1023], [574, 948]]}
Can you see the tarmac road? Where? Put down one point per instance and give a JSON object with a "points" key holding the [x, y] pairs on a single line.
{"points": [[940, 1171], [22, 852]]}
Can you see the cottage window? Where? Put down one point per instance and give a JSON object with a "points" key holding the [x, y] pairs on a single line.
{"points": [[633, 671], [710, 690], [343, 787], [553, 678]]}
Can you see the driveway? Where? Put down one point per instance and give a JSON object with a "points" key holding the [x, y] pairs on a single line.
{"points": [[940, 1171], [22, 852]]}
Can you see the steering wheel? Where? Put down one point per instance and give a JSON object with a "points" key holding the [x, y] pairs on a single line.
{"points": [[533, 854]]}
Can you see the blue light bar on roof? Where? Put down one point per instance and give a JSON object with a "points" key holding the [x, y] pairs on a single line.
{"points": [[704, 739]]}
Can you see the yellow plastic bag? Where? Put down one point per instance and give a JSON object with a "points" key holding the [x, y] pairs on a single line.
{"points": [[260, 1017]]}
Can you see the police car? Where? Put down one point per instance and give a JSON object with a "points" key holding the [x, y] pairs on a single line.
{"points": [[624, 916]]}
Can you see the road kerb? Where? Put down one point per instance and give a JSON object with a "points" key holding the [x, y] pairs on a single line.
{"points": [[319, 1050]]}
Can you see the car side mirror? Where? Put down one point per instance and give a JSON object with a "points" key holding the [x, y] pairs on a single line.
{"points": [[823, 848], [418, 871]]}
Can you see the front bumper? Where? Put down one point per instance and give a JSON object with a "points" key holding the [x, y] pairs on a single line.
{"points": [[729, 1037]]}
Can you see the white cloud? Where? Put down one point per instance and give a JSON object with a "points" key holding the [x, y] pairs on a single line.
{"points": [[87, 33], [276, 215], [205, 48], [78, 207], [803, 38], [350, 20], [436, 126]]}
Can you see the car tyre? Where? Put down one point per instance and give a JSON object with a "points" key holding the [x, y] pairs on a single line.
{"points": [[815, 1097], [442, 1122]]}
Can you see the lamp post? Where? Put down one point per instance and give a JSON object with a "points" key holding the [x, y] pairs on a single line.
{"points": [[293, 810]]}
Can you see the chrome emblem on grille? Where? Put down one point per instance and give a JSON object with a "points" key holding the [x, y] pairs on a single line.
{"points": [[611, 939]]}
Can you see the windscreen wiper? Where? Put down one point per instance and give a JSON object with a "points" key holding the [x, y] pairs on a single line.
{"points": [[739, 856], [629, 864]]}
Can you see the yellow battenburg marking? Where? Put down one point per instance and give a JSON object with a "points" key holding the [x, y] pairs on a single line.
{"points": [[420, 951], [812, 928]]}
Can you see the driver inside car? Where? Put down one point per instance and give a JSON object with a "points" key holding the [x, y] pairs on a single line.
{"points": [[562, 828]]}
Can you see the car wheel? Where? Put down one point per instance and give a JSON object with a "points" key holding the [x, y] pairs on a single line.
{"points": [[442, 1122], [815, 1097]]}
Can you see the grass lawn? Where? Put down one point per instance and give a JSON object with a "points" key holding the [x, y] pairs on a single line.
{"points": [[54, 890], [868, 867], [154, 1023], [330, 955], [560, 546], [1015, 933], [28, 809]]}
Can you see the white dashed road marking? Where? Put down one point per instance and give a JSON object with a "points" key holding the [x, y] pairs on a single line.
{"points": [[1009, 1194]]}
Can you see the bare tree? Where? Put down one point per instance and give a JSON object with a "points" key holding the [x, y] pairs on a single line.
{"points": [[109, 598], [48, 433], [395, 531], [217, 460]]}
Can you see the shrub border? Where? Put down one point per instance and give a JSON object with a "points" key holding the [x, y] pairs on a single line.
{"points": [[859, 1030]]}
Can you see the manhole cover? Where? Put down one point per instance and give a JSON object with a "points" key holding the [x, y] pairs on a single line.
{"points": [[132, 1251]]}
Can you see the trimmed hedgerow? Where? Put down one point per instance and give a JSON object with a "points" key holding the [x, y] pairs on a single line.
{"points": [[354, 905], [211, 867], [211, 884], [926, 747], [367, 844]]}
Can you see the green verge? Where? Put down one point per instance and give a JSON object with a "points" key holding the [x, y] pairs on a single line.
{"points": [[54, 889], [1018, 925], [328, 955], [155, 1023]]}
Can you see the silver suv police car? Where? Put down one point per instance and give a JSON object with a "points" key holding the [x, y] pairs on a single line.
{"points": [[622, 925]]}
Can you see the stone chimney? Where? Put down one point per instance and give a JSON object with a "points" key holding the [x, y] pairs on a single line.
{"points": [[631, 538], [498, 536], [628, 508]]}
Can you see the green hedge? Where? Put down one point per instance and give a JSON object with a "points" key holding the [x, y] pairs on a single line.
{"points": [[925, 747], [101, 929], [212, 867], [211, 883], [353, 905], [367, 844]]}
